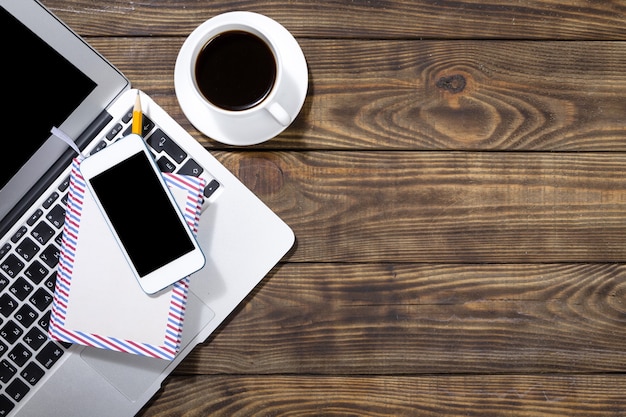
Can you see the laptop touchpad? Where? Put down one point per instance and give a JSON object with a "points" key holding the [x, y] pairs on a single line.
{"points": [[134, 375], [131, 374]]}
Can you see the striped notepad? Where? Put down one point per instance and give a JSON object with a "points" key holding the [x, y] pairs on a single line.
{"points": [[97, 300]]}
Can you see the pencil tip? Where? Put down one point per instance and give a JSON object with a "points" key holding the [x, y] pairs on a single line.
{"points": [[137, 101]]}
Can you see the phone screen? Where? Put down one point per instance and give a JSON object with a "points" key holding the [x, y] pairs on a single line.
{"points": [[141, 213]]}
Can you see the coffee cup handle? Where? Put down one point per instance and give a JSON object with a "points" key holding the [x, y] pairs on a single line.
{"points": [[279, 113]]}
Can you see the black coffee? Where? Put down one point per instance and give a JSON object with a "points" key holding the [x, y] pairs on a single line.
{"points": [[235, 70]]}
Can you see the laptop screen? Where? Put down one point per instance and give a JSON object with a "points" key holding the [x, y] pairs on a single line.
{"points": [[57, 80], [47, 81]]}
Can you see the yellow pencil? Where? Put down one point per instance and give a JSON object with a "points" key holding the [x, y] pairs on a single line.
{"points": [[137, 117]]}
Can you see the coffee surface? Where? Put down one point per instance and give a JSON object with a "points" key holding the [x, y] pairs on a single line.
{"points": [[235, 70]]}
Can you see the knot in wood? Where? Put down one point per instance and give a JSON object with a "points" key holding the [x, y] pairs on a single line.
{"points": [[262, 175], [454, 83]]}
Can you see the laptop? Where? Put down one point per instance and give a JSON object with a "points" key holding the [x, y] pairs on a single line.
{"points": [[60, 81]]}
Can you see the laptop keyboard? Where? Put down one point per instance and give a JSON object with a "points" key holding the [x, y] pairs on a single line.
{"points": [[28, 266]]}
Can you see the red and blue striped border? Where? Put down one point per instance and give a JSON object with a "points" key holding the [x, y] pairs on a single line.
{"points": [[173, 331]]}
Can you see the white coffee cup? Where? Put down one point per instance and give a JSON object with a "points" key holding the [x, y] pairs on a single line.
{"points": [[241, 78]]}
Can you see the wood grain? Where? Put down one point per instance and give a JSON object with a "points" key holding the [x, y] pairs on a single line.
{"points": [[444, 206], [469, 19], [418, 319], [455, 395], [511, 95]]}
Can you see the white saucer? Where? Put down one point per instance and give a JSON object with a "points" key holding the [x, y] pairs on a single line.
{"points": [[250, 127]]}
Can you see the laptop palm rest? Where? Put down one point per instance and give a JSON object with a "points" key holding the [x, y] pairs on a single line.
{"points": [[133, 375]]}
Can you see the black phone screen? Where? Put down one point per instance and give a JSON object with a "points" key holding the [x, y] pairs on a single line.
{"points": [[141, 213]]}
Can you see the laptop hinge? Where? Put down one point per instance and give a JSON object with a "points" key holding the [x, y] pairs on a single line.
{"points": [[55, 170]]}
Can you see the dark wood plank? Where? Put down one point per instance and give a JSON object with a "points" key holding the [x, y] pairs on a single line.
{"points": [[425, 95], [391, 319], [467, 95], [497, 395], [548, 19], [444, 206]]}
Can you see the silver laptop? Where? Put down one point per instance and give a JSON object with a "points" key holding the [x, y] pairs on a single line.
{"points": [[61, 81]]}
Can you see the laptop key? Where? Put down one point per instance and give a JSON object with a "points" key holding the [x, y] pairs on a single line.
{"points": [[44, 321], [12, 266], [65, 184], [6, 405], [191, 168], [56, 216], [41, 299], [32, 373], [100, 146], [147, 126], [50, 255], [211, 188], [34, 217], [11, 332], [20, 355], [27, 249], [17, 390], [42, 233], [26, 316], [50, 283], [50, 200], [116, 129], [7, 371], [36, 272], [18, 235], [59, 239], [4, 281], [7, 305], [165, 165], [161, 142], [128, 116], [50, 354], [21, 288], [35, 338], [4, 249]]}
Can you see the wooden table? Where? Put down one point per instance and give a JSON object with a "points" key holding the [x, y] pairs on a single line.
{"points": [[456, 184]]}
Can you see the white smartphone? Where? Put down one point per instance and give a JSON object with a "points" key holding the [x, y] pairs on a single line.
{"points": [[142, 214]]}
